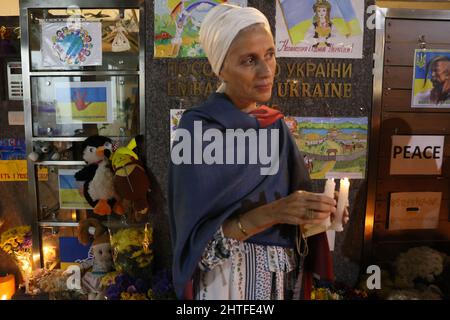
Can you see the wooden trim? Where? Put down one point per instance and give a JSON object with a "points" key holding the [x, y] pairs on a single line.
{"points": [[422, 5]]}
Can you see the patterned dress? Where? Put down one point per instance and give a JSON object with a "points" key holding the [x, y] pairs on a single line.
{"points": [[235, 270]]}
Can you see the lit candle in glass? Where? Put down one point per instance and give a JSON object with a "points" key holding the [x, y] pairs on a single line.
{"points": [[344, 186], [329, 192], [7, 287], [74, 215]]}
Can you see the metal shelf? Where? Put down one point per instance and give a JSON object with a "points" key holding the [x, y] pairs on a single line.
{"points": [[63, 139], [26, 8], [57, 224], [61, 163], [82, 73]]}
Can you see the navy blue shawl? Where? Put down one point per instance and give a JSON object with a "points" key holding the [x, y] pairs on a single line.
{"points": [[202, 197]]}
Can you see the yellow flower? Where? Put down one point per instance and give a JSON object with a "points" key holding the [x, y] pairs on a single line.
{"points": [[125, 296], [127, 239], [109, 279], [138, 296]]}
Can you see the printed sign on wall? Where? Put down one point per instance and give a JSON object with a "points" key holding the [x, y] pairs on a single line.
{"points": [[414, 210], [417, 154]]}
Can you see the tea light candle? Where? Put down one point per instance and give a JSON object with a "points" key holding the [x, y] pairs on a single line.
{"points": [[7, 287], [344, 186]]}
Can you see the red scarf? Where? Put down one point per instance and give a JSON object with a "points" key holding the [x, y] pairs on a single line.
{"points": [[266, 116]]}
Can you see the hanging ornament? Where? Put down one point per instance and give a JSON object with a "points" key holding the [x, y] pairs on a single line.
{"points": [[120, 42]]}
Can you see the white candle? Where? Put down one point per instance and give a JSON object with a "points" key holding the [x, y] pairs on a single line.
{"points": [[344, 186], [329, 192]]}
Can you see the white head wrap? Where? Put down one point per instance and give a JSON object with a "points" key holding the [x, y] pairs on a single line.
{"points": [[219, 28]]}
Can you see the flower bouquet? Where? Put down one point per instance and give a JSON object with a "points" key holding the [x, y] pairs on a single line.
{"points": [[326, 290], [132, 253], [17, 243], [121, 286]]}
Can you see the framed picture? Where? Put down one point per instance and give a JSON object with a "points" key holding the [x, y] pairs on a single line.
{"points": [[84, 102], [431, 80]]}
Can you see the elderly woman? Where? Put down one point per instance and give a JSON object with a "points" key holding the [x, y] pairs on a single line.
{"points": [[235, 230]]}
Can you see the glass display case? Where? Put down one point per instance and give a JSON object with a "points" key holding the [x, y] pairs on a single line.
{"points": [[83, 74]]}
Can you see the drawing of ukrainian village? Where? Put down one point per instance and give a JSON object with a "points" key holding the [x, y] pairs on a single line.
{"points": [[331, 147]]}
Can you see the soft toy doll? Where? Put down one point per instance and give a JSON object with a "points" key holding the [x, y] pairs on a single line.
{"points": [[44, 151], [97, 176], [130, 178], [102, 261]]}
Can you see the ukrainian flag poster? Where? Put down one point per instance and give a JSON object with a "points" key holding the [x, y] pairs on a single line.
{"points": [[69, 194], [319, 28], [83, 102]]}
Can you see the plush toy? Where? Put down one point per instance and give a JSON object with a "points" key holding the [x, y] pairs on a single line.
{"points": [[98, 188], [65, 149], [102, 261], [130, 178], [44, 151]]}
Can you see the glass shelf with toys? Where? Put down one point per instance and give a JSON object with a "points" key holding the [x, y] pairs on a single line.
{"points": [[71, 96]]}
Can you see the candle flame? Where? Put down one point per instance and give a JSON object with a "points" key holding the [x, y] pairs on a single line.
{"points": [[3, 297]]}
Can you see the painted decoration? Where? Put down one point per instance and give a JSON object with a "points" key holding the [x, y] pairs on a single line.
{"points": [[319, 28], [431, 80], [331, 147], [177, 24], [68, 44]]}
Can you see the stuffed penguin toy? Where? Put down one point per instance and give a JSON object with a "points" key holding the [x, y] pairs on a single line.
{"points": [[97, 176]]}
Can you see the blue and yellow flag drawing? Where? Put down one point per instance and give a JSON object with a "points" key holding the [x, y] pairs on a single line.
{"points": [[82, 104], [69, 196], [299, 17]]}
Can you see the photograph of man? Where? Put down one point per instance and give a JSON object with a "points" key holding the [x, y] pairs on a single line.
{"points": [[431, 88]]}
